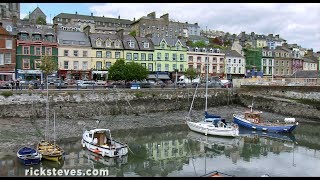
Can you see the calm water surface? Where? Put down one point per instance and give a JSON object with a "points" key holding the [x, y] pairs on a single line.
{"points": [[176, 151]]}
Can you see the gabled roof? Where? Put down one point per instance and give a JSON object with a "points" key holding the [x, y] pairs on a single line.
{"points": [[104, 37], [73, 38], [126, 39], [170, 41], [233, 53], [37, 9], [142, 40]]}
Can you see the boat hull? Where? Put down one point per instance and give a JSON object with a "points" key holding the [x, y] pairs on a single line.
{"points": [[274, 128], [50, 151], [29, 156], [208, 129]]}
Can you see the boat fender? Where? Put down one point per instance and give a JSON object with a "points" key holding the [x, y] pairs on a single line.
{"points": [[83, 144], [256, 120], [103, 153]]}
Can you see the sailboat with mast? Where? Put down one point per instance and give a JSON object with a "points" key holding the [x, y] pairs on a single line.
{"points": [[50, 151], [211, 124]]}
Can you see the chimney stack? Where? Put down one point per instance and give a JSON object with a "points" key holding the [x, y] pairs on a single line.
{"points": [[134, 19], [86, 30], [152, 15], [76, 12], [119, 17], [91, 14], [165, 17]]}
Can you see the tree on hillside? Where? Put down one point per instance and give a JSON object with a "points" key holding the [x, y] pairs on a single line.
{"points": [[199, 44], [191, 73], [133, 33], [216, 41], [41, 20]]}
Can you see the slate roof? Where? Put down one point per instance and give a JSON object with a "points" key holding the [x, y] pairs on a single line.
{"points": [[208, 50], [125, 41], [141, 40], [197, 38], [95, 18], [73, 38], [32, 29], [171, 41], [306, 74], [104, 37], [233, 53]]}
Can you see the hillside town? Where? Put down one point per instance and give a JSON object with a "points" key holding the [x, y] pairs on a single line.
{"points": [[86, 46]]}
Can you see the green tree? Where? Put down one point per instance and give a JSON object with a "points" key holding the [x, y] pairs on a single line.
{"points": [[133, 33], [136, 71], [48, 65], [199, 44], [118, 71], [41, 20], [191, 73]]}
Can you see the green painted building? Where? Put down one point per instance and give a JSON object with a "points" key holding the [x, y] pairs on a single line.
{"points": [[32, 43], [253, 58]]}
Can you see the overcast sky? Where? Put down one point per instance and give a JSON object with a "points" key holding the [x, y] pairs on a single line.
{"points": [[295, 22]]}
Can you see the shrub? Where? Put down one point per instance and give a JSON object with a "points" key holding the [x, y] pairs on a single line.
{"points": [[6, 93], [138, 94]]}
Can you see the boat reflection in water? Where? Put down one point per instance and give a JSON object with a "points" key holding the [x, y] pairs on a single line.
{"points": [[245, 132], [100, 161]]}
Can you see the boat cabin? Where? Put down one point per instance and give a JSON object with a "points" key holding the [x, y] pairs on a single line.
{"points": [[253, 116], [100, 136]]}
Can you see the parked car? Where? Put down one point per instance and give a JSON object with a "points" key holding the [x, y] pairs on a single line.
{"points": [[101, 82], [226, 84], [60, 84], [86, 84]]}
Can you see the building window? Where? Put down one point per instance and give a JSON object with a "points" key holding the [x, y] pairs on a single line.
{"points": [[98, 43], [135, 56], [166, 57], [75, 53], [66, 65], [75, 65], [166, 67], [150, 67], [163, 45], [129, 56], [37, 63], [181, 57], [239, 70], [84, 65], [234, 61], [145, 45], [117, 55], [239, 61], [158, 56], [108, 43], [7, 58], [66, 52], [85, 53], [174, 56], [26, 50], [150, 57], [143, 56], [8, 44], [37, 51], [24, 36], [174, 67], [37, 37], [1, 59], [48, 51], [270, 62], [158, 67], [117, 44], [131, 43], [181, 67], [99, 54], [108, 54], [108, 65], [99, 65], [26, 64]]}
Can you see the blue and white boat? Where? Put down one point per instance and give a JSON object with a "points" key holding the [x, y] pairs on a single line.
{"points": [[252, 120], [29, 156]]}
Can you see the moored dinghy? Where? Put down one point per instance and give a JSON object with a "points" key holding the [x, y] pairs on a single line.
{"points": [[29, 156], [100, 142], [252, 120]]}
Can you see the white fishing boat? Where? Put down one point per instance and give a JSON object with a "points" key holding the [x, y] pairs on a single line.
{"points": [[211, 124], [100, 142]]}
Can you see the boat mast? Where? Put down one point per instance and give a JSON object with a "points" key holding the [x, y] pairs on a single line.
{"points": [[207, 69], [47, 114], [194, 95], [54, 131]]}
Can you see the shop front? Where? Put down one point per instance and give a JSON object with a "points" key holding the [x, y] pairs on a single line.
{"points": [[100, 75], [29, 74]]}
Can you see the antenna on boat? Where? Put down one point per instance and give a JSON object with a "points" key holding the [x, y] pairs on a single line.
{"points": [[251, 105], [54, 130]]}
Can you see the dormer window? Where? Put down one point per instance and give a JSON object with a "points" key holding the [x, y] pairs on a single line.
{"points": [[204, 50], [98, 43], [37, 37], [178, 48], [108, 43], [145, 44], [196, 49], [23, 36], [131, 43], [117, 44]]}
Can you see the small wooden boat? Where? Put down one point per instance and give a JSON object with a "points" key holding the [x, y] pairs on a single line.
{"points": [[252, 120], [29, 156], [216, 174], [100, 142], [50, 151]]}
